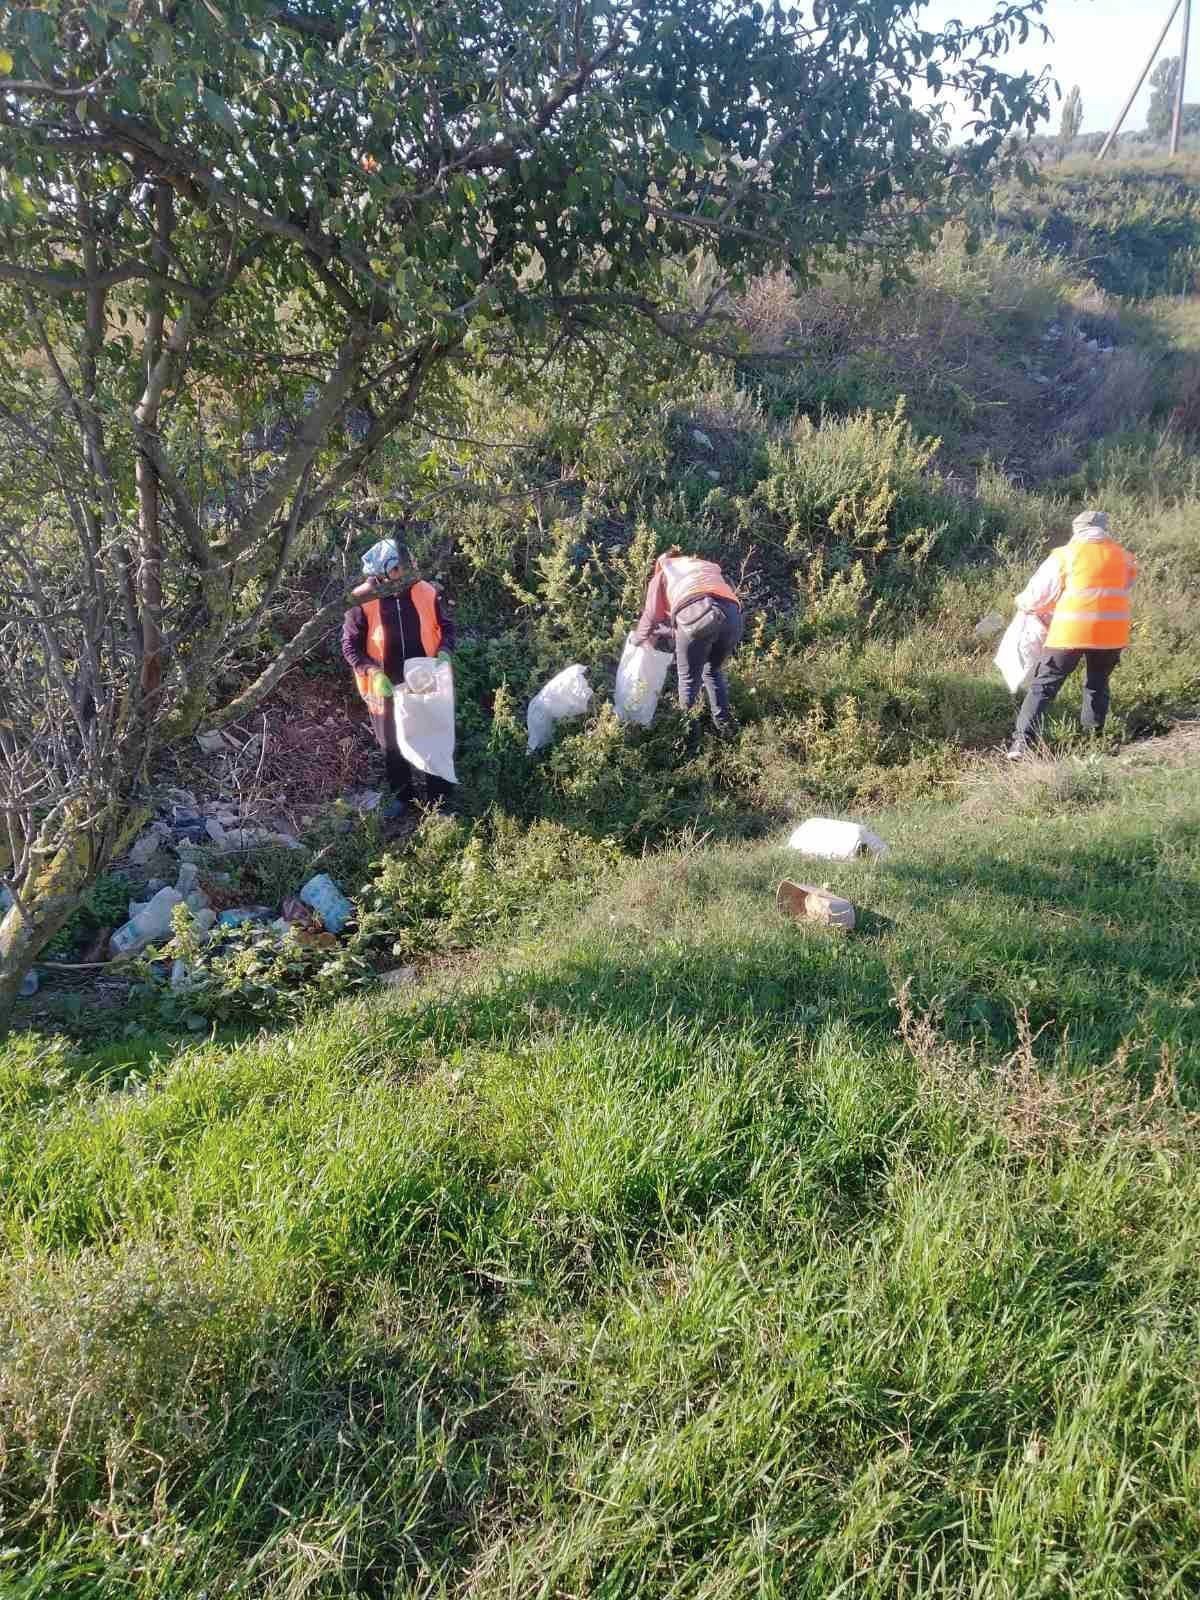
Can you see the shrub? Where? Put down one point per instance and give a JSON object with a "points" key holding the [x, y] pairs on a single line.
{"points": [[460, 884]]}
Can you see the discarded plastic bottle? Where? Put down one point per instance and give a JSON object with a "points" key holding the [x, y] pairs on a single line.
{"points": [[29, 983], [152, 922], [328, 901]]}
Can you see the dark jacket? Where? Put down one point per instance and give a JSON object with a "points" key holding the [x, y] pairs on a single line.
{"points": [[401, 633]]}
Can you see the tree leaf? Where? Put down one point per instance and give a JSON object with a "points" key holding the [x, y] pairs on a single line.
{"points": [[219, 111]]}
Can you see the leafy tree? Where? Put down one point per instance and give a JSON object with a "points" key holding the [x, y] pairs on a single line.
{"points": [[1162, 97], [1072, 121], [243, 245], [1163, 81]]}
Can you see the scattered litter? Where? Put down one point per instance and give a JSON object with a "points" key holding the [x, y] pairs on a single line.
{"points": [[29, 983], [149, 845], [702, 439], [806, 904], [204, 920], [398, 978], [182, 976], [215, 831], [256, 839], [242, 916], [640, 677], [294, 911], [835, 841], [212, 744], [328, 901], [197, 901], [188, 880], [568, 694], [150, 922], [364, 800]]}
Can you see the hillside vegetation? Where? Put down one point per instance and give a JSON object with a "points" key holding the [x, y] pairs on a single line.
{"points": [[686, 1253], [654, 1246]]}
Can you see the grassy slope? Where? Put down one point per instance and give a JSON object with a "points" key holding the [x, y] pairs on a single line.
{"points": [[655, 1263]]}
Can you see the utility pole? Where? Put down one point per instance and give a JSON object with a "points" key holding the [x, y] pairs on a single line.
{"points": [[1116, 127], [1177, 120]]}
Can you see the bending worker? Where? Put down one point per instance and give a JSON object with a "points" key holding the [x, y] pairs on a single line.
{"points": [[379, 635], [690, 597], [1082, 591]]}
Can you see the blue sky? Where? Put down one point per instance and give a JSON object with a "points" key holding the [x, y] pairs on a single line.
{"points": [[1099, 44]]}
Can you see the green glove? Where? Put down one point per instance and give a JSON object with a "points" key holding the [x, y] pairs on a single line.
{"points": [[381, 686]]}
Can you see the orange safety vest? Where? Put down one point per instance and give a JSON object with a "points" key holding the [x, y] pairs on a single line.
{"points": [[424, 598], [1093, 611], [687, 578]]}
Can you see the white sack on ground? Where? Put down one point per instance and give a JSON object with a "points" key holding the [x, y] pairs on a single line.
{"points": [[835, 841], [1020, 650], [568, 694], [640, 677], [424, 711]]}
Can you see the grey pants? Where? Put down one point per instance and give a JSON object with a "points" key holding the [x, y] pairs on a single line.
{"points": [[707, 632], [1053, 670]]}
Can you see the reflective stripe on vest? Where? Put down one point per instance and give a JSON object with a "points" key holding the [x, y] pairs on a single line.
{"points": [[687, 578], [424, 599], [1093, 612]]}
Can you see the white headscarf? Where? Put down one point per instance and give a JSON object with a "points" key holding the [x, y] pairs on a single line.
{"points": [[380, 557]]}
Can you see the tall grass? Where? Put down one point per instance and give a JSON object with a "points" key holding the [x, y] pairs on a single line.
{"points": [[669, 1258]]}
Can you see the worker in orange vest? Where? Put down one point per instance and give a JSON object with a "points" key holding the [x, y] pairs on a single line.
{"points": [[689, 598], [1082, 592], [379, 635]]}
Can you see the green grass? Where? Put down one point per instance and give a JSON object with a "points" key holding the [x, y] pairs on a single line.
{"points": [[673, 1256]]}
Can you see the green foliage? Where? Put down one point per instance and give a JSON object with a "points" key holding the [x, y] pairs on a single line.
{"points": [[461, 885], [105, 905], [1160, 117], [248, 974], [1071, 121], [631, 1261], [1132, 227]]}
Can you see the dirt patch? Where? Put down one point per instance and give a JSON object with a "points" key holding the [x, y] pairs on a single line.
{"points": [[1179, 748]]}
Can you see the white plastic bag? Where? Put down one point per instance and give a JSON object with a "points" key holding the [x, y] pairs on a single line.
{"points": [[424, 711], [835, 841], [640, 677], [1020, 650], [568, 694]]}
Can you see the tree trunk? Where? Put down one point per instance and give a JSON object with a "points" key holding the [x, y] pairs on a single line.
{"points": [[48, 898]]}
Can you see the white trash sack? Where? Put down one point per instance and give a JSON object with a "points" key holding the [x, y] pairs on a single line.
{"points": [[424, 712], [568, 694], [1020, 650], [640, 677], [835, 841]]}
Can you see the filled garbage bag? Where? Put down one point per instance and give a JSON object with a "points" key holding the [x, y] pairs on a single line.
{"points": [[1020, 650], [640, 676], [568, 694], [424, 711]]}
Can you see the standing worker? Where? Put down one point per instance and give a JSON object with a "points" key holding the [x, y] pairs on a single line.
{"points": [[378, 635], [690, 597], [1082, 590]]}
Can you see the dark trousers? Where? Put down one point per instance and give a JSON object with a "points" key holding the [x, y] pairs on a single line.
{"points": [[401, 776], [1053, 670], [707, 632]]}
